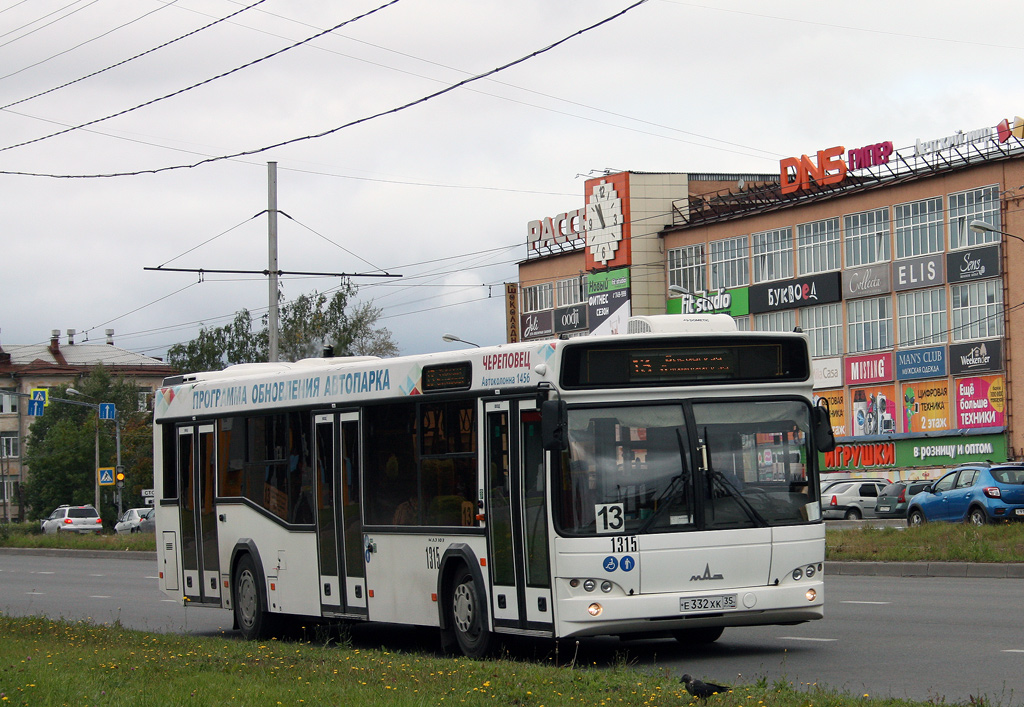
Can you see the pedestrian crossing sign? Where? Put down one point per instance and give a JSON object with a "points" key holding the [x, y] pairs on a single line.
{"points": [[106, 476]]}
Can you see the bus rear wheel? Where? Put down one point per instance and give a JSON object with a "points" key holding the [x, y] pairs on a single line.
{"points": [[698, 636], [252, 620], [466, 617]]}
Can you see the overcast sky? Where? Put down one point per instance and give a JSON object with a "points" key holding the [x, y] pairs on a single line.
{"points": [[439, 192]]}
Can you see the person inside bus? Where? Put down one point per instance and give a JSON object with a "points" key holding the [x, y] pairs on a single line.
{"points": [[407, 512]]}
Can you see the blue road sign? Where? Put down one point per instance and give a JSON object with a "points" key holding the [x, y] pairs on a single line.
{"points": [[107, 411], [610, 564], [36, 407], [627, 563], [106, 475]]}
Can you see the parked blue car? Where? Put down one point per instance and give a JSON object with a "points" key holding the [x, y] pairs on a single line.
{"points": [[977, 494]]}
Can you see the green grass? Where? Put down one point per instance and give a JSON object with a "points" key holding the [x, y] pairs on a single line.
{"points": [[932, 542], [29, 535], [52, 663]]}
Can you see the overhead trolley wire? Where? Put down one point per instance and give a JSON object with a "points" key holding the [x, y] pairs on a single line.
{"points": [[315, 136]]}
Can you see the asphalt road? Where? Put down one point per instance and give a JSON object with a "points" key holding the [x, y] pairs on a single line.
{"points": [[923, 638]]}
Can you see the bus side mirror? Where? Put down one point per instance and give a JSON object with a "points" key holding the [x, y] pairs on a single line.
{"points": [[553, 425], [824, 437]]}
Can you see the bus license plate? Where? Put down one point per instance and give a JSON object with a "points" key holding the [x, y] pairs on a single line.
{"points": [[714, 603]]}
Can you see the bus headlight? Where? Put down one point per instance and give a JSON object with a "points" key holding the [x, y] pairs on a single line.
{"points": [[809, 571], [798, 574], [589, 585], [594, 609], [811, 595], [606, 586]]}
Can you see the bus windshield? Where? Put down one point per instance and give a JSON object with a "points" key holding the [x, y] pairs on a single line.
{"points": [[686, 466]]}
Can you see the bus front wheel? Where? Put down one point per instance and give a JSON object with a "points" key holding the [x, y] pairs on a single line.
{"points": [[252, 620], [466, 617]]}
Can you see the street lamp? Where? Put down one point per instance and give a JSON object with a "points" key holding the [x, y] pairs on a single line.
{"points": [[451, 338], [984, 227]]}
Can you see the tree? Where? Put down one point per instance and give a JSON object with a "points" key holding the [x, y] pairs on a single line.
{"points": [[308, 324], [61, 445]]}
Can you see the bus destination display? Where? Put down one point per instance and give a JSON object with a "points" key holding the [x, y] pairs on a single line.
{"points": [[666, 363], [452, 376]]}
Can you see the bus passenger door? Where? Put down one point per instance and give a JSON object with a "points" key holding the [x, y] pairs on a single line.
{"points": [[339, 526], [197, 473], [517, 517]]}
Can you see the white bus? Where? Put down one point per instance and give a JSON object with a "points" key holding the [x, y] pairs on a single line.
{"points": [[652, 483]]}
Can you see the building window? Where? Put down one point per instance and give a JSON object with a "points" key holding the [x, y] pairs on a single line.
{"points": [[8, 402], [730, 263], [776, 321], [742, 323], [9, 446], [570, 291], [686, 268], [966, 206], [818, 249], [773, 255], [538, 297], [977, 310], [869, 325], [824, 326], [918, 228], [922, 317], [868, 240]]}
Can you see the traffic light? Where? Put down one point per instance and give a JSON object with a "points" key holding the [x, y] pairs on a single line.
{"points": [[119, 477]]}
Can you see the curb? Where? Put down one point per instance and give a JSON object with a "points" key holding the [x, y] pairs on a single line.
{"points": [[149, 556], [997, 570]]}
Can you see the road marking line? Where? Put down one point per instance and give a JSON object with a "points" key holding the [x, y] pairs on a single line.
{"points": [[37, 593], [100, 597], [807, 638], [1014, 650], [174, 600], [851, 601], [37, 572]]}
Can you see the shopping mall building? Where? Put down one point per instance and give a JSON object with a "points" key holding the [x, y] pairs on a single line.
{"points": [[897, 263]]}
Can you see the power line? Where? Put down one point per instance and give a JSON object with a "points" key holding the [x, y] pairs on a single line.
{"points": [[197, 85], [325, 133], [82, 44], [27, 24]]}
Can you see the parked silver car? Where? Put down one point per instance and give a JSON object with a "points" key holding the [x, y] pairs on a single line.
{"points": [[130, 519], [72, 519], [851, 499]]}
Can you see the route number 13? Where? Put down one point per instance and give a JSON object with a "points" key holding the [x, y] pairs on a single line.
{"points": [[611, 517]]}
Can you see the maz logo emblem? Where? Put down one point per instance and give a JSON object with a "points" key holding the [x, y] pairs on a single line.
{"points": [[706, 576]]}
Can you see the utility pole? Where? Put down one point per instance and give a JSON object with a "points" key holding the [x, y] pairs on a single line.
{"points": [[272, 315]]}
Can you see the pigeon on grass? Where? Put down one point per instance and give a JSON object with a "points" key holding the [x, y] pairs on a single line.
{"points": [[700, 689]]}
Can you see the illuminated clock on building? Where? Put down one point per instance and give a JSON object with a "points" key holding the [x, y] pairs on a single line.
{"points": [[604, 222]]}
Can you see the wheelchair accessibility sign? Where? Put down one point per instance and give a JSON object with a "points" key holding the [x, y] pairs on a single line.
{"points": [[626, 563]]}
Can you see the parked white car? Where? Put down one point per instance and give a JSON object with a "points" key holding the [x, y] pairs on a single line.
{"points": [[130, 519]]}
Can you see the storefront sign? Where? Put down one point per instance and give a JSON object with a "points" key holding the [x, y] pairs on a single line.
{"points": [[829, 169], [957, 139], [866, 282], [951, 451], [874, 410], [802, 292], [945, 451], [608, 222], [556, 230], [836, 400], [976, 357], [511, 312], [537, 325], [869, 156], [608, 304], [925, 271], [980, 402], [926, 406], [828, 372], [733, 302], [861, 455], [973, 264], [872, 368], [921, 363], [572, 318]]}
